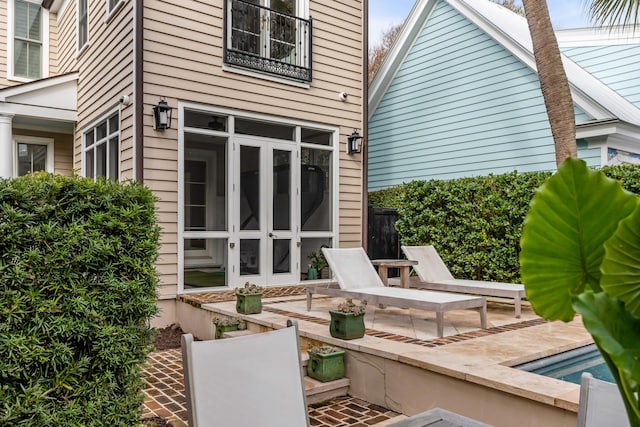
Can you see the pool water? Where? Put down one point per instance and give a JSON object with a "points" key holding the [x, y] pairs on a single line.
{"points": [[570, 365]]}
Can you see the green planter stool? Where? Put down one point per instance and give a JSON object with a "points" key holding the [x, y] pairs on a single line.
{"points": [[221, 329], [326, 367], [248, 303], [346, 326]]}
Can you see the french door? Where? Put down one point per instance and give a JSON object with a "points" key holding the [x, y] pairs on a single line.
{"points": [[266, 221]]}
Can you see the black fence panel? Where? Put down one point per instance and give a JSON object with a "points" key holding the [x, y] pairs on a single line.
{"points": [[383, 240]]}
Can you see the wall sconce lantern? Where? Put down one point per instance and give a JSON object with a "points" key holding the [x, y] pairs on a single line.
{"points": [[353, 142], [162, 115]]}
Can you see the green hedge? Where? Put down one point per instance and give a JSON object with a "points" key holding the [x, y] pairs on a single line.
{"points": [[475, 223], [78, 289]]}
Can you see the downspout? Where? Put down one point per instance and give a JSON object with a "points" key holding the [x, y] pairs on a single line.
{"points": [[138, 113], [365, 126]]}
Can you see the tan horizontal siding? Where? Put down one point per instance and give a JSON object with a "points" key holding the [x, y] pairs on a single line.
{"points": [[67, 39], [106, 74], [183, 62]]}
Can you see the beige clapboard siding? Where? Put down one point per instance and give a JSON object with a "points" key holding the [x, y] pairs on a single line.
{"points": [[183, 61], [3, 46], [67, 39], [106, 73], [53, 44]]}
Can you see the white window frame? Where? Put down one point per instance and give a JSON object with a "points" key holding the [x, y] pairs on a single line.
{"points": [[44, 72], [111, 11], [82, 47], [93, 127], [33, 140]]}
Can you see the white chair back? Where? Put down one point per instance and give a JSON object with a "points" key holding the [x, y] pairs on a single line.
{"points": [[352, 268], [252, 380], [600, 404], [430, 267]]}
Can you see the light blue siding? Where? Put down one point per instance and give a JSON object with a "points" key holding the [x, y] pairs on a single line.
{"points": [[617, 66], [459, 105], [589, 155]]}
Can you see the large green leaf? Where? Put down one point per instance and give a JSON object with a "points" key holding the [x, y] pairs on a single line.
{"points": [[571, 216], [615, 332], [621, 263]]}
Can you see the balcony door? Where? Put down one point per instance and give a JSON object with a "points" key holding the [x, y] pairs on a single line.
{"points": [[267, 219]]}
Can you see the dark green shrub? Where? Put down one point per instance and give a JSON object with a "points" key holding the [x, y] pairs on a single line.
{"points": [[475, 223], [78, 289]]}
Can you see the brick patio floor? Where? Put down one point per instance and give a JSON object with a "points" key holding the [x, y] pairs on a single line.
{"points": [[164, 397]]}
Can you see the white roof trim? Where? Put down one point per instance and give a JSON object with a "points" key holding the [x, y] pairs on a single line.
{"points": [[510, 30], [412, 27], [598, 36], [51, 98]]}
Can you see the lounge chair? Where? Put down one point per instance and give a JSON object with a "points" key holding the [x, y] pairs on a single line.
{"points": [[600, 404], [433, 274], [357, 279], [252, 380]]}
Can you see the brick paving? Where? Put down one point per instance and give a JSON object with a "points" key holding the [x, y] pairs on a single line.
{"points": [[165, 390], [164, 397]]}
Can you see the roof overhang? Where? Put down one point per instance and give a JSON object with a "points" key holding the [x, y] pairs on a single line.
{"points": [[511, 31], [53, 98], [596, 129]]}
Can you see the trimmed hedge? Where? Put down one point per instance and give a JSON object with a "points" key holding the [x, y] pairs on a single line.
{"points": [[475, 223], [78, 289]]}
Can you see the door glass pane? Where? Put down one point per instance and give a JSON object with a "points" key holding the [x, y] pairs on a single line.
{"points": [[310, 255], [315, 136], [249, 188], [205, 182], [205, 263], [281, 256], [316, 190], [281, 190], [249, 256], [265, 129], [31, 158], [246, 23]]}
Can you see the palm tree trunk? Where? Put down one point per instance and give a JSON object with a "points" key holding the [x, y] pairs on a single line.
{"points": [[553, 79]]}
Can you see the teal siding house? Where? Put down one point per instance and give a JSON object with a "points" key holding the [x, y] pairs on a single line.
{"points": [[458, 95]]}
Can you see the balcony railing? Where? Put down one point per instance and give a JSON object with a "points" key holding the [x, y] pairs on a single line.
{"points": [[267, 40]]}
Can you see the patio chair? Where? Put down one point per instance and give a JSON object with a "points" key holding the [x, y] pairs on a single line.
{"points": [[600, 404], [434, 275], [357, 279], [251, 380]]}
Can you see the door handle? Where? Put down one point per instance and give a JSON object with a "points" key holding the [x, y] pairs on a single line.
{"points": [[273, 236]]}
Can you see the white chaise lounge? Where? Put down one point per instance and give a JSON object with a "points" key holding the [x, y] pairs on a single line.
{"points": [[433, 274], [252, 380], [600, 404], [357, 279]]}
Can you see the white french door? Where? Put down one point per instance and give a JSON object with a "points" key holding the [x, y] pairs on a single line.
{"points": [[266, 222]]}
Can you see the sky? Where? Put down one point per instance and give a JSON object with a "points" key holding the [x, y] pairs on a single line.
{"points": [[385, 13]]}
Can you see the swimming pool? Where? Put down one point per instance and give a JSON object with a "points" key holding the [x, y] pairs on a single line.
{"points": [[570, 365]]}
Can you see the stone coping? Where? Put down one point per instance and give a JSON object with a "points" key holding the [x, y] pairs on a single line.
{"points": [[483, 357]]}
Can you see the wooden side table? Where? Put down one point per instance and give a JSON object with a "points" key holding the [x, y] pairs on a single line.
{"points": [[404, 265]]}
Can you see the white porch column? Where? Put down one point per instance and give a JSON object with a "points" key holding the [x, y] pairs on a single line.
{"points": [[6, 146]]}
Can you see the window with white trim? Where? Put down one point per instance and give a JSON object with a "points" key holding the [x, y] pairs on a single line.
{"points": [[112, 5], [27, 41], [270, 36], [102, 148], [33, 154], [83, 23]]}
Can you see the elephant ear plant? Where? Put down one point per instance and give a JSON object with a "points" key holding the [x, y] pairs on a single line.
{"points": [[581, 253]]}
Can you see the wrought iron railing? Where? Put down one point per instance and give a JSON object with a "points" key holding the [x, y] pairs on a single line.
{"points": [[268, 40]]}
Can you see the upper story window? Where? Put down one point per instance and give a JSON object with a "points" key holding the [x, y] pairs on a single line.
{"points": [[269, 36], [112, 5], [83, 23], [27, 50], [102, 148]]}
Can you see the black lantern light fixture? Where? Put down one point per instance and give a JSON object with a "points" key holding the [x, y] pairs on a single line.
{"points": [[353, 142], [162, 115]]}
